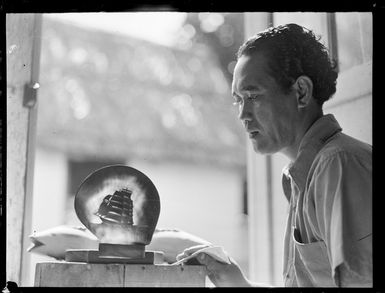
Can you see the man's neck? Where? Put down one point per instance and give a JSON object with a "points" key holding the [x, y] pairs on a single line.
{"points": [[303, 126]]}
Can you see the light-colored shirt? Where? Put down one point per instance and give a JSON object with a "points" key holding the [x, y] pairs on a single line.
{"points": [[328, 240]]}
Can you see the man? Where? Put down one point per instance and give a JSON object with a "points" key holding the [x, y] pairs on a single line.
{"points": [[281, 80]]}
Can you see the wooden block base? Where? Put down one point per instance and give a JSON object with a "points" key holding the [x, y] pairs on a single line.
{"points": [[94, 256], [70, 274]]}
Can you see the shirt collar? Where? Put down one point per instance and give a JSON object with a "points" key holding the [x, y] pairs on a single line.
{"points": [[314, 139]]}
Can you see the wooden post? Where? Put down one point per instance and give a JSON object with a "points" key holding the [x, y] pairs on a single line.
{"points": [[22, 39]]}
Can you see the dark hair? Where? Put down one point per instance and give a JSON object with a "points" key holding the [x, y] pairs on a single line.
{"points": [[293, 50]]}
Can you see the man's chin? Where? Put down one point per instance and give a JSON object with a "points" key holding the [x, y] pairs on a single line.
{"points": [[262, 149]]}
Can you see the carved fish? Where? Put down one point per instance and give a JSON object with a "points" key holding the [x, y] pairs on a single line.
{"points": [[55, 241]]}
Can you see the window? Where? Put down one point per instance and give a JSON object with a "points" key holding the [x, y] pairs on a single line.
{"points": [[315, 21], [322, 24], [348, 35], [354, 39]]}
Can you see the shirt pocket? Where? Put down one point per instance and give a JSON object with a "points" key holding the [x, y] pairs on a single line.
{"points": [[315, 261]]}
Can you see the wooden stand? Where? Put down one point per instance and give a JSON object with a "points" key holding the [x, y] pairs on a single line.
{"points": [[71, 274], [95, 256], [115, 253]]}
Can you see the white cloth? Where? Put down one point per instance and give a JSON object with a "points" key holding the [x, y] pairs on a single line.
{"points": [[216, 252]]}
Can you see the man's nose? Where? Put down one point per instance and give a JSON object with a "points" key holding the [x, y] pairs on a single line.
{"points": [[244, 112]]}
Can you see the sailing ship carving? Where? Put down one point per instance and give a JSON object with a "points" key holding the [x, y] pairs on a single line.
{"points": [[117, 208]]}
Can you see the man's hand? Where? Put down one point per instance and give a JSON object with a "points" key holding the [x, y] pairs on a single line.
{"points": [[173, 241], [221, 274]]}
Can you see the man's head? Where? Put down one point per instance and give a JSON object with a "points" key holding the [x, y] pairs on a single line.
{"points": [[282, 77], [291, 51]]}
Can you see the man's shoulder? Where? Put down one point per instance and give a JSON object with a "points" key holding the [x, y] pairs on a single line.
{"points": [[342, 156], [342, 144], [344, 147]]}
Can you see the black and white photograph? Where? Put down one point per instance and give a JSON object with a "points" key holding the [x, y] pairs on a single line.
{"points": [[163, 148]]}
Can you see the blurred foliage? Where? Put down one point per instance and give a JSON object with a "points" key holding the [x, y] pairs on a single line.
{"points": [[166, 103], [223, 33]]}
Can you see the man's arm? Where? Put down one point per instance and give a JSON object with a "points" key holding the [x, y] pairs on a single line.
{"points": [[345, 277], [342, 190]]}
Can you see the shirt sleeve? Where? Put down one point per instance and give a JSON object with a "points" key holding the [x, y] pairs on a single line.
{"points": [[342, 188]]}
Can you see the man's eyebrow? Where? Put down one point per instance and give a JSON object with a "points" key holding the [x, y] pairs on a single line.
{"points": [[248, 88], [251, 88]]}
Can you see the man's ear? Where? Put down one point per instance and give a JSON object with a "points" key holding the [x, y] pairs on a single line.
{"points": [[304, 88]]}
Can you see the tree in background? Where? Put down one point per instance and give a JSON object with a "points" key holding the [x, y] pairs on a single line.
{"points": [[221, 32]]}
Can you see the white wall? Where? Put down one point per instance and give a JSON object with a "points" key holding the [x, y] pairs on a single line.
{"points": [[202, 200], [49, 200]]}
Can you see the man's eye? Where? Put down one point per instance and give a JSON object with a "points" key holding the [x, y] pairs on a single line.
{"points": [[253, 97]]}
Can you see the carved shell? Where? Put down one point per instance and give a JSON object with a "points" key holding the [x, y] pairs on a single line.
{"points": [[117, 208]]}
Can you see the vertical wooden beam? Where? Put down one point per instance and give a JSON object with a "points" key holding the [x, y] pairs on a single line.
{"points": [[332, 36], [20, 36], [270, 217], [31, 147], [259, 192]]}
